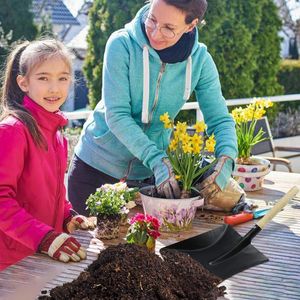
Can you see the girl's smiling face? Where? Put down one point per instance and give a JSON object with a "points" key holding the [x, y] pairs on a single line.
{"points": [[165, 24], [48, 83]]}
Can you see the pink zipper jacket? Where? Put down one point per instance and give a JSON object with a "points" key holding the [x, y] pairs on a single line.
{"points": [[32, 192]]}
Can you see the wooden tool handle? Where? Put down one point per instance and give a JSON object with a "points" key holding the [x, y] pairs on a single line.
{"points": [[277, 207]]}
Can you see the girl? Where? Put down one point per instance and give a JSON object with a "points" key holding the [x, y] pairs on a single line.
{"points": [[151, 67], [33, 209]]}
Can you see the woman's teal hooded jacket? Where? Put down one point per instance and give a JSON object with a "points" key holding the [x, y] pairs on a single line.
{"points": [[124, 136]]}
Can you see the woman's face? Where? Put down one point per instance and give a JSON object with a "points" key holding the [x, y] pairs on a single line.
{"points": [[165, 25]]}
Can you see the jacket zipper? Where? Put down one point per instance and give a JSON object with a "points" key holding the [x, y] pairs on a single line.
{"points": [[160, 74], [59, 171], [161, 71]]}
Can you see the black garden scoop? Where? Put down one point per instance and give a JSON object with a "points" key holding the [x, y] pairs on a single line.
{"points": [[223, 251]]}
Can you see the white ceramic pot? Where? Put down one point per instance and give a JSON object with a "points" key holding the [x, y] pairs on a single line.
{"points": [[173, 214], [250, 177]]}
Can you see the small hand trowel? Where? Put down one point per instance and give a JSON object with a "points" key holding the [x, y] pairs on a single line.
{"points": [[223, 251], [245, 216]]}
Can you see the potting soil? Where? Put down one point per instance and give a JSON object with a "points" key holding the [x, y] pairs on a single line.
{"points": [[131, 272]]}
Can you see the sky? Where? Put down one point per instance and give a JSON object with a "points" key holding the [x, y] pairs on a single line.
{"points": [[295, 9], [73, 5]]}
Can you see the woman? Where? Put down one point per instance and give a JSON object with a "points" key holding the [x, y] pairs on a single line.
{"points": [[151, 67]]}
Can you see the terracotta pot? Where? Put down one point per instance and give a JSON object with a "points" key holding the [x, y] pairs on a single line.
{"points": [[174, 215], [251, 176], [108, 227]]}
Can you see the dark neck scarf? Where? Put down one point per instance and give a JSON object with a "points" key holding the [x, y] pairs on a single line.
{"points": [[179, 51]]}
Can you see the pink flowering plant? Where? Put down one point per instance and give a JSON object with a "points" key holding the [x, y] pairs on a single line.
{"points": [[143, 231]]}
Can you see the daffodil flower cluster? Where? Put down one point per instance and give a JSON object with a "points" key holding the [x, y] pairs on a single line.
{"points": [[246, 119], [186, 151]]}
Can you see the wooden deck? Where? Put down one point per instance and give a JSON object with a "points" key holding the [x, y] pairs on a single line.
{"points": [[279, 241]]}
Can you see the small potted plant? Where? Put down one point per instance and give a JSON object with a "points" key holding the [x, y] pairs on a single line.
{"points": [[250, 170], [143, 231], [186, 152], [108, 204]]}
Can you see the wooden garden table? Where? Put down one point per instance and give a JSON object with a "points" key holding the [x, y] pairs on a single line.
{"points": [[279, 241]]}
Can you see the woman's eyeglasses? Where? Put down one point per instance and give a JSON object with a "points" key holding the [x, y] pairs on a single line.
{"points": [[165, 31]]}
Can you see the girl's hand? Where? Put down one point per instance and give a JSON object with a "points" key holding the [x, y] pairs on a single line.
{"points": [[80, 222], [62, 247]]}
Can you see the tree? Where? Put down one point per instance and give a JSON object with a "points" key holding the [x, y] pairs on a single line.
{"points": [[245, 45], [267, 43], [105, 17], [15, 17]]}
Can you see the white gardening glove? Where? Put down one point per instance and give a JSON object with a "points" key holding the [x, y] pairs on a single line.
{"points": [[79, 222], [62, 247]]}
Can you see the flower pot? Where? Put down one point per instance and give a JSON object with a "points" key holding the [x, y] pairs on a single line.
{"points": [[107, 226], [124, 219], [251, 176], [174, 215]]}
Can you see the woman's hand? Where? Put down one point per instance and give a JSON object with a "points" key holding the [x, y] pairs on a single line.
{"points": [[166, 184], [218, 188]]}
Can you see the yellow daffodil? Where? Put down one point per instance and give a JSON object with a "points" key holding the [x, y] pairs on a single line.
{"points": [[210, 144], [185, 151], [245, 119], [166, 120], [185, 138], [173, 145], [187, 148], [200, 126], [181, 127]]}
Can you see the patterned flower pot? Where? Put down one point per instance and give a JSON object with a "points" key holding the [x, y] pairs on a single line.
{"points": [[173, 214], [108, 226], [251, 176]]}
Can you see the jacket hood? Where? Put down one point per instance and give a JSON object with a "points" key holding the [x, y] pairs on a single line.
{"points": [[48, 120], [134, 30]]}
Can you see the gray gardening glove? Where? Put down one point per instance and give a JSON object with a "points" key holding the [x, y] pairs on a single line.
{"points": [[165, 182]]}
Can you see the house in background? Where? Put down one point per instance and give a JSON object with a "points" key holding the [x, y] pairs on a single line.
{"points": [[58, 14], [289, 11]]}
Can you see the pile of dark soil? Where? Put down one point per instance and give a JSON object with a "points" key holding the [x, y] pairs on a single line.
{"points": [[131, 272]]}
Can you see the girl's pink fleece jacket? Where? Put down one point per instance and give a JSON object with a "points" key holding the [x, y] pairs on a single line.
{"points": [[32, 192]]}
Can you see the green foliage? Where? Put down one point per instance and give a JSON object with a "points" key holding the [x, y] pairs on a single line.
{"points": [[15, 17], [268, 59], [289, 76], [105, 17], [111, 199], [5, 39], [236, 35], [105, 203], [45, 28]]}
